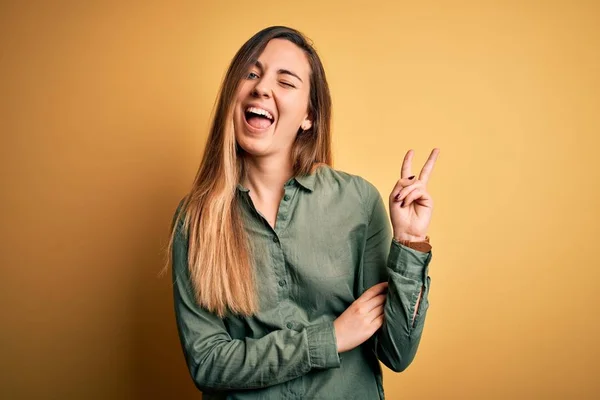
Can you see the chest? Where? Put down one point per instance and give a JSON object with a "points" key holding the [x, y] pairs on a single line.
{"points": [[268, 209], [307, 259]]}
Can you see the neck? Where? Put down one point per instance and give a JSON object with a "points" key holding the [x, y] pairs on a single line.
{"points": [[265, 176]]}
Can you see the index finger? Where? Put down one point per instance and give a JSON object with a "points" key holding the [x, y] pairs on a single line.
{"points": [[406, 164], [428, 167], [373, 291]]}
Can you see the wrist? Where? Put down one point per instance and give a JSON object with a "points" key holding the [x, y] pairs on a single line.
{"points": [[405, 237], [414, 242], [339, 345]]}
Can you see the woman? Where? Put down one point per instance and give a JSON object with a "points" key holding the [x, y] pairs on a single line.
{"points": [[281, 263]]}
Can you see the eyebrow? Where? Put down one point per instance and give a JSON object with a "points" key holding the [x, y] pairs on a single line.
{"points": [[279, 71]]}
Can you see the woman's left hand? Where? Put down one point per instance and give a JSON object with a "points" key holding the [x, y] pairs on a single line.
{"points": [[410, 204]]}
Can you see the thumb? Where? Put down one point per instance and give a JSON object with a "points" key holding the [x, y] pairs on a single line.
{"points": [[403, 182]]}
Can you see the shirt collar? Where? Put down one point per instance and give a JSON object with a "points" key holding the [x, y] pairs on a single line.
{"points": [[242, 188], [306, 181]]}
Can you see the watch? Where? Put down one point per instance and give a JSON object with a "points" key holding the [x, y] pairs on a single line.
{"points": [[423, 245]]}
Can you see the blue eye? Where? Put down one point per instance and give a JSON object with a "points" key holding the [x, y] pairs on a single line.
{"points": [[252, 75]]}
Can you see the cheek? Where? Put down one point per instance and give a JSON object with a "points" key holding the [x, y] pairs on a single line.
{"points": [[243, 91], [293, 108], [241, 95]]}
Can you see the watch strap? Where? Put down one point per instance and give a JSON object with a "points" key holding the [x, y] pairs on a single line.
{"points": [[423, 245]]}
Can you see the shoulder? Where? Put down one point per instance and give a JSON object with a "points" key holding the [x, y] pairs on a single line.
{"points": [[365, 190], [179, 217]]}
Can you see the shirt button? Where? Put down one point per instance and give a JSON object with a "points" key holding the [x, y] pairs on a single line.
{"points": [[286, 197], [275, 239], [289, 325], [282, 282]]}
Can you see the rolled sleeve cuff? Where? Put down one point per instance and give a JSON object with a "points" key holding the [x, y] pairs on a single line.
{"points": [[322, 346], [409, 262]]}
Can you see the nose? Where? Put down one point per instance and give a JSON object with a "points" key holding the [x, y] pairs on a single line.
{"points": [[261, 89]]}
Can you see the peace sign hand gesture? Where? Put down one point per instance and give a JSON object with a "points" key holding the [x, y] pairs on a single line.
{"points": [[410, 204]]}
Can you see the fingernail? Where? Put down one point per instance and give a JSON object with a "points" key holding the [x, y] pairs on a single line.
{"points": [[411, 177], [396, 198], [402, 204]]}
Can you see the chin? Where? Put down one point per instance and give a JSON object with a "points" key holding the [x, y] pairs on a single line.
{"points": [[255, 147]]}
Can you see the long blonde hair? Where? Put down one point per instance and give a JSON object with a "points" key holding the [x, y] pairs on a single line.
{"points": [[219, 254]]}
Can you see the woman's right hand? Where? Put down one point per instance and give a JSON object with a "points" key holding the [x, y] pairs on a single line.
{"points": [[362, 319]]}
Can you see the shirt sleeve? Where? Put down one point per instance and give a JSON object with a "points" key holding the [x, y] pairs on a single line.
{"points": [[407, 272], [218, 362]]}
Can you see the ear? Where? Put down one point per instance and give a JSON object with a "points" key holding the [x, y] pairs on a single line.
{"points": [[306, 124]]}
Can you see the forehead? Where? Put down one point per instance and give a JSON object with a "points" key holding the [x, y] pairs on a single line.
{"points": [[283, 54]]}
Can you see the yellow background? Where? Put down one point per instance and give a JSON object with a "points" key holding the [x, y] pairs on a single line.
{"points": [[105, 110]]}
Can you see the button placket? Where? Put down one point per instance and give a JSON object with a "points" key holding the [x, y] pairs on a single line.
{"points": [[283, 284], [284, 207]]}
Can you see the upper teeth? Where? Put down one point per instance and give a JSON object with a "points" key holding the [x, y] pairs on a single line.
{"points": [[259, 111]]}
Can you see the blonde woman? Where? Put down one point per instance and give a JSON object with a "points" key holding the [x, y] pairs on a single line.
{"points": [[289, 281]]}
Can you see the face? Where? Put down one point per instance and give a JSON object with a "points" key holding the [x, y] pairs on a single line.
{"points": [[272, 102]]}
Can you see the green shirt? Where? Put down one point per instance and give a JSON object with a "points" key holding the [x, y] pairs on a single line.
{"points": [[332, 241]]}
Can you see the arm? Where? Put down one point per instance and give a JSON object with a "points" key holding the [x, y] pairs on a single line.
{"points": [[406, 270], [218, 362], [423, 246]]}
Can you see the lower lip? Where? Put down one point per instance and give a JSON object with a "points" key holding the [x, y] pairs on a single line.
{"points": [[254, 130]]}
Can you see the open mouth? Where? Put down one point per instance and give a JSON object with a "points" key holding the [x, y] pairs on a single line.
{"points": [[258, 118]]}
